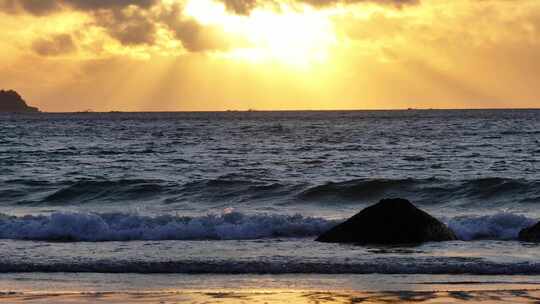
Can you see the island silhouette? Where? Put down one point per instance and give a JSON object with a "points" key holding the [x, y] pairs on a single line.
{"points": [[12, 102]]}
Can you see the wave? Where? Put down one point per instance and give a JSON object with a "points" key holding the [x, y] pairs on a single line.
{"points": [[95, 227], [88, 190], [442, 266], [500, 226], [429, 191], [236, 189], [92, 227], [227, 188]]}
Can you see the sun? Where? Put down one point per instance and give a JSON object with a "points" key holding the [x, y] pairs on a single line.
{"points": [[297, 38], [293, 36]]}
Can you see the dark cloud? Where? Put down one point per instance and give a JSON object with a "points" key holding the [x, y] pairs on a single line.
{"points": [[107, 4], [138, 25], [40, 7], [241, 7], [198, 38], [129, 28], [43, 7], [34, 7], [194, 36], [57, 45], [397, 3]]}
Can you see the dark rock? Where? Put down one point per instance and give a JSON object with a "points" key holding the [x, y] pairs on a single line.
{"points": [[531, 234], [391, 221], [12, 102]]}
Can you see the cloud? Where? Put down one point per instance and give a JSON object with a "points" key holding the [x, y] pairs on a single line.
{"points": [[198, 38], [34, 7], [397, 3], [241, 7], [128, 26], [132, 27], [54, 46], [43, 7], [194, 36], [108, 4], [130, 22], [137, 22], [244, 7]]}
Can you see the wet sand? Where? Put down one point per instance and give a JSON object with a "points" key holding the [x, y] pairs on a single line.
{"points": [[501, 296]]}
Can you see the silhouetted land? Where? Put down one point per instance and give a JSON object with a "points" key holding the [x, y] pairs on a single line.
{"points": [[12, 102]]}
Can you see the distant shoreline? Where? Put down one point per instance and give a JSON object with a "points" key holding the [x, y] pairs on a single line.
{"points": [[12, 102]]}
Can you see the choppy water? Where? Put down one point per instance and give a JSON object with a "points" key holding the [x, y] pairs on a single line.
{"points": [[246, 192]]}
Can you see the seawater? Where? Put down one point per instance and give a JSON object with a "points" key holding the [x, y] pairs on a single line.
{"points": [[247, 192]]}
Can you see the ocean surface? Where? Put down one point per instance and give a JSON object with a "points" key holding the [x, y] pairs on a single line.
{"points": [[246, 193]]}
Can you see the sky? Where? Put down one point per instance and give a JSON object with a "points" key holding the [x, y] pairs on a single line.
{"points": [[205, 55]]}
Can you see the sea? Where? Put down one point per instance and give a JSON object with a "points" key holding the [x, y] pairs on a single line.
{"points": [[195, 200]]}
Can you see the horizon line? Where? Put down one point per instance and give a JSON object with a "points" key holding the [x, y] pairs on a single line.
{"points": [[281, 110]]}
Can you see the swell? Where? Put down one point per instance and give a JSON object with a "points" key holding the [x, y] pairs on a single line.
{"points": [[90, 190], [236, 188], [95, 227], [80, 191], [228, 188], [429, 191]]}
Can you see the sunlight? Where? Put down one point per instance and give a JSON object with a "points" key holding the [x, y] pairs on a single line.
{"points": [[297, 38]]}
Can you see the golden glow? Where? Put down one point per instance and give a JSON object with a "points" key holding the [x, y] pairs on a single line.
{"points": [[280, 54], [296, 38], [208, 12]]}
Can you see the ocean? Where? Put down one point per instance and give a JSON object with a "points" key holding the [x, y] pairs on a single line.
{"points": [[239, 197]]}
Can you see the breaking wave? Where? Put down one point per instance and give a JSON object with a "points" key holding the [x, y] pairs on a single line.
{"points": [[93, 227], [501, 226]]}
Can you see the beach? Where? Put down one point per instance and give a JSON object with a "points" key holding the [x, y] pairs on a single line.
{"points": [[137, 288], [502, 296]]}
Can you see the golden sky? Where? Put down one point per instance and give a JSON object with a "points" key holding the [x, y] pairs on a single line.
{"points": [[161, 55]]}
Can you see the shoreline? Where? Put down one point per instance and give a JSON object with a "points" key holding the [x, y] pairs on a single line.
{"points": [[37, 288], [282, 296]]}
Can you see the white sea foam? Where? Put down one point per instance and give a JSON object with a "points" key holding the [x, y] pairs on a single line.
{"points": [[500, 226], [125, 227], [94, 227]]}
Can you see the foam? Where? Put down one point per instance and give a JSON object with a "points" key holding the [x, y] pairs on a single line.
{"points": [[95, 227], [99, 227], [500, 226]]}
